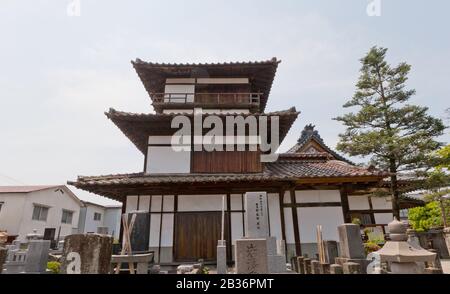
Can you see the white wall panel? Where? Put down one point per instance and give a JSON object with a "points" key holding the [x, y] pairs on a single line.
{"points": [[381, 202], [358, 202], [131, 203], [144, 202], [289, 226], [274, 216], [309, 217], [236, 201], [166, 160], [383, 218], [200, 202], [236, 226]]}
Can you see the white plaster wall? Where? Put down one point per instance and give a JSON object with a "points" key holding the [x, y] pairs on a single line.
{"points": [[11, 213], [166, 160], [17, 211], [167, 230], [383, 218], [91, 225], [309, 217], [289, 226], [274, 216], [155, 222], [381, 202], [200, 202], [358, 202], [311, 196], [236, 201], [236, 227], [156, 203], [112, 220], [144, 203], [131, 203], [180, 89]]}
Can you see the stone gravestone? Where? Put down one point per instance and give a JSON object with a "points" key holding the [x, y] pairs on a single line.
{"points": [[275, 258], [87, 254], [139, 236], [37, 256], [252, 251], [256, 225], [351, 246], [350, 241], [251, 256], [331, 251]]}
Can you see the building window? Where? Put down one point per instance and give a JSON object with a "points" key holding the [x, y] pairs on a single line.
{"points": [[40, 213], [363, 218], [1, 205], [97, 216], [66, 217]]}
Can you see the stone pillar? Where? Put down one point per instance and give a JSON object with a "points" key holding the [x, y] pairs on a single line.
{"points": [[221, 257], [37, 256], [256, 214], [315, 267], [87, 254], [300, 264], [325, 268], [3, 253], [331, 251], [336, 269], [351, 268], [307, 265], [350, 241]]}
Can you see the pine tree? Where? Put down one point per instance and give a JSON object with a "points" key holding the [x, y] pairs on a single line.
{"points": [[397, 136]]}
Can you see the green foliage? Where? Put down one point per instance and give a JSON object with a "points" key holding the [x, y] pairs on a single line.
{"points": [[385, 127], [424, 218], [397, 136], [54, 266], [356, 221], [371, 246]]}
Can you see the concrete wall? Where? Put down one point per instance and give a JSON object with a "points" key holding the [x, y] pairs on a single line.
{"points": [[17, 211]]}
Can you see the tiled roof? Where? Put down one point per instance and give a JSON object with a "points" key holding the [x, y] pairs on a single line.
{"points": [[309, 134], [25, 189], [139, 126], [283, 169], [261, 73]]}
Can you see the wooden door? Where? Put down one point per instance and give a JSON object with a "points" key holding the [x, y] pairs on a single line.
{"points": [[196, 235]]}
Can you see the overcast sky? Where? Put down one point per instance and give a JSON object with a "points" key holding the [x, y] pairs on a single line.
{"points": [[59, 72]]}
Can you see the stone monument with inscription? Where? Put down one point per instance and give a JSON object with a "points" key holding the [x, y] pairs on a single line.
{"points": [[257, 252], [87, 254]]}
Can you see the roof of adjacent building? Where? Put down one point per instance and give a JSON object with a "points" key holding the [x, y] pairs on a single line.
{"points": [[288, 168], [139, 126], [260, 73], [308, 137], [26, 189]]}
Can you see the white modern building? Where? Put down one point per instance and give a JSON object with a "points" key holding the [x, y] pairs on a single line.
{"points": [[53, 211], [50, 210], [94, 216]]}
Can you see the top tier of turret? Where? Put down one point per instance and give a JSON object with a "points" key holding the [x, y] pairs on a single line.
{"points": [[239, 87]]}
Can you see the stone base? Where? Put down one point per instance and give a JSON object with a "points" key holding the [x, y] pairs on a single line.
{"points": [[362, 262], [221, 259], [251, 256], [276, 264]]}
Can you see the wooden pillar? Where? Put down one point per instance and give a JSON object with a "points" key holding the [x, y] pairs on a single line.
{"points": [[345, 205], [298, 249]]}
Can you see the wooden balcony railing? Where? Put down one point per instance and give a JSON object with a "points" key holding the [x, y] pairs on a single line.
{"points": [[252, 99]]}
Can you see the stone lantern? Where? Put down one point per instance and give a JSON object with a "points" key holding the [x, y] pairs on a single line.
{"points": [[404, 257]]}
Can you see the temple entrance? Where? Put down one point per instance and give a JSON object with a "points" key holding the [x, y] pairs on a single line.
{"points": [[196, 235]]}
